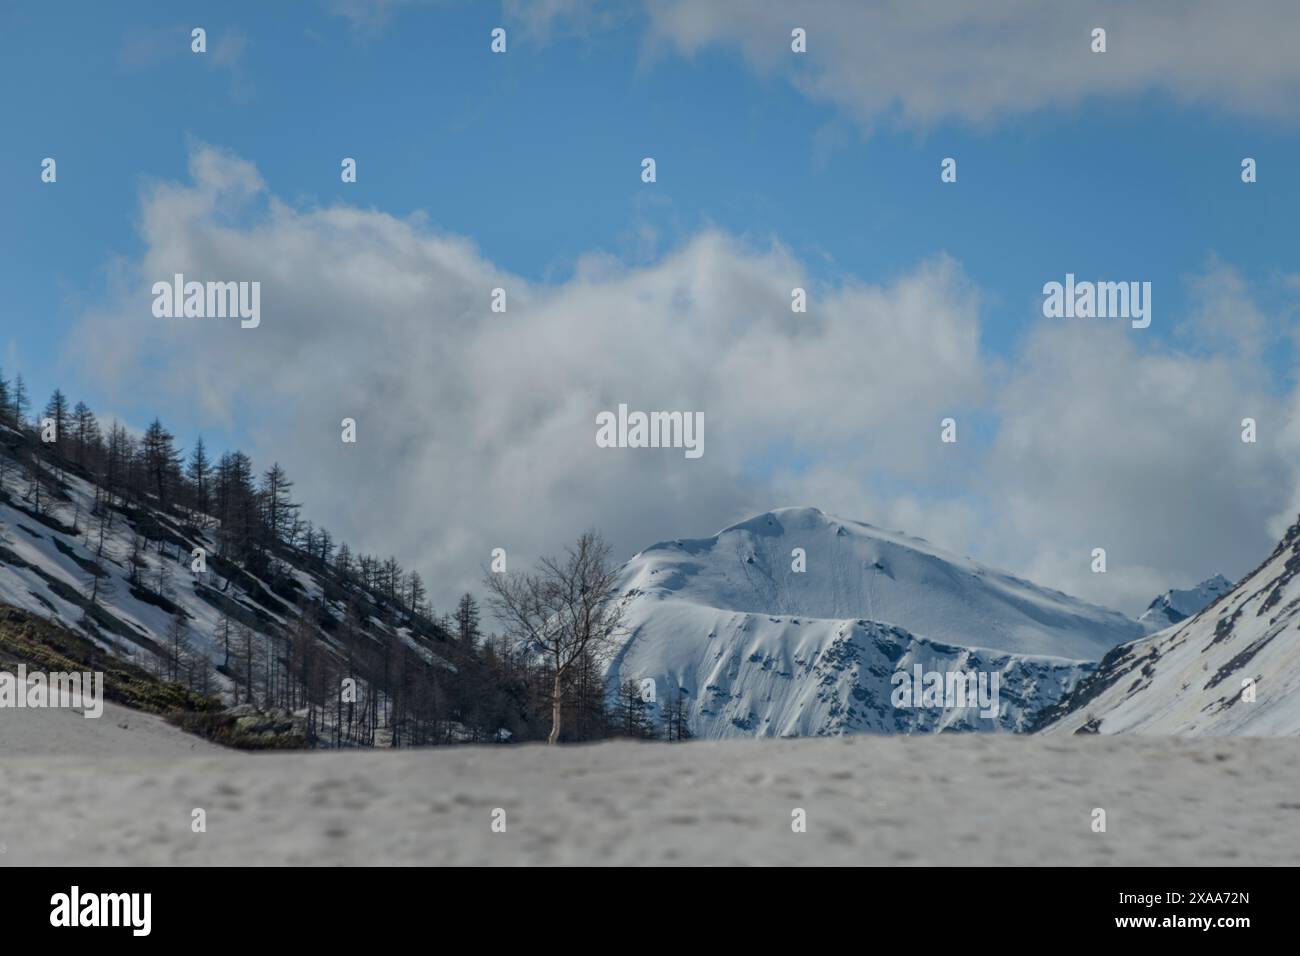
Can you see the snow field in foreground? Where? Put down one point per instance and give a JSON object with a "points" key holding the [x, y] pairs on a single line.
{"points": [[962, 799]]}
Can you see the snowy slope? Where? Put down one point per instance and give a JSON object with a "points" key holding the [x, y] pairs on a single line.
{"points": [[1188, 679], [117, 732], [49, 559], [761, 649], [46, 567], [1175, 605]]}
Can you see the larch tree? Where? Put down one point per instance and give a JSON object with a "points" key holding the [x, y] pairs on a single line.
{"points": [[18, 404], [56, 411], [565, 609], [85, 431], [199, 472], [467, 620]]}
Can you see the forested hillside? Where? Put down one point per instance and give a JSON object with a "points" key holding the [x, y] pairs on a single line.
{"points": [[203, 571]]}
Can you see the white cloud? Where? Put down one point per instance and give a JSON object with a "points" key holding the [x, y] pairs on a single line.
{"points": [[1105, 443], [477, 429], [1226, 317], [922, 63]]}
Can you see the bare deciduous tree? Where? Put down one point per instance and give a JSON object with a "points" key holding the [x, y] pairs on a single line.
{"points": [[563, 611]]}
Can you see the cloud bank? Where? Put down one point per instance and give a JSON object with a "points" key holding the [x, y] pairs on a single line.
{"points": [[476, 429]]}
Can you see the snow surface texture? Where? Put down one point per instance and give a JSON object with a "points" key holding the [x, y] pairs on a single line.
{"points": [[118, 732], [1189, 678], [972, 799], [760, 649], [1174, 605]]}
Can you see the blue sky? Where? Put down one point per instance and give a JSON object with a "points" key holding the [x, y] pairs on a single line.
{"points": [[534, 157]]}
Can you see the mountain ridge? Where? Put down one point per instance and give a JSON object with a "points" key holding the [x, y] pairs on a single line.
{"points": [[1177, 605], [758, 646]]}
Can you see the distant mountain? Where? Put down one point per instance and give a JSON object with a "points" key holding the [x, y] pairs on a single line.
{"points": [[1174, 605], [758, 647], [1231, 668]]}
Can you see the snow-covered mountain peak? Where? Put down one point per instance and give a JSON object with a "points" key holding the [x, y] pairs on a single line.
{"points": [[804, 562], [1177, 605], [794, 622]]}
